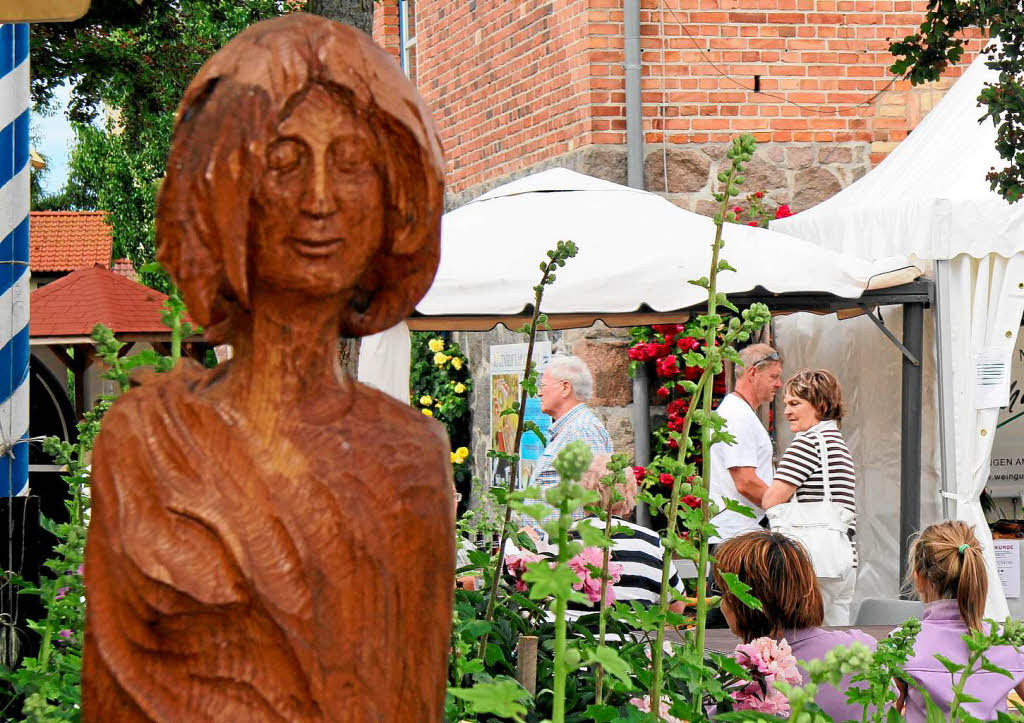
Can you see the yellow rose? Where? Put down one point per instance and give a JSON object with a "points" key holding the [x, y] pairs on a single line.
{"points": [[455, 458], [426, 401], [457, 363], [435, 345], [462, 452], [440, 358], [460, 387], [428, 412], [437, 404]]}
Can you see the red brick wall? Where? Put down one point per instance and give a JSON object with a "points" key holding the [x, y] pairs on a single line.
{"points": [[514, 83]]}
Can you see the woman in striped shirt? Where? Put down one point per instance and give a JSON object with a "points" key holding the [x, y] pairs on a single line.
{"points": [[814, 408], [637, 549]]}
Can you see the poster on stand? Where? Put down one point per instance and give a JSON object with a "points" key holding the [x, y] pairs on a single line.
{"points": [[507, 364]]}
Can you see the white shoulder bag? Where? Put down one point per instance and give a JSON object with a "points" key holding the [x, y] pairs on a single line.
{"points": [[821, 527]]}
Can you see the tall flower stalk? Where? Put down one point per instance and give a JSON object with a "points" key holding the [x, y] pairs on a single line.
{"points": [[709, 358], [557, 257]]}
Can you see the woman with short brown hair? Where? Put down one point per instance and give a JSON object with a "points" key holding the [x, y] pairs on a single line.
{"points": [[781, 576], [818, 455]]}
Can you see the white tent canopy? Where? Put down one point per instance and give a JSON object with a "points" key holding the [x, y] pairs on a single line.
{"points": [[636, 252], [929, 200], [929, 197]]}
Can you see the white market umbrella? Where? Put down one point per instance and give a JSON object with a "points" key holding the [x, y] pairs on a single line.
{"points": [[635, 249]]}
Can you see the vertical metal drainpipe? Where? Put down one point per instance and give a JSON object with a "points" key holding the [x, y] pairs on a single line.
{"points": [[634, 114], [635, 179]]}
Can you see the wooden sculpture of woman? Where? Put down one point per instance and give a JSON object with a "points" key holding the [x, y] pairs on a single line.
{"points": [[271, 541]]}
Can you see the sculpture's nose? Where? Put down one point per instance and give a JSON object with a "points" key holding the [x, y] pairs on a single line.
{"points": [[317, 200]]}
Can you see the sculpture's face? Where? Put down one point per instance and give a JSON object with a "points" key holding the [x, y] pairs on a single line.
{"points": [[321, 210]]}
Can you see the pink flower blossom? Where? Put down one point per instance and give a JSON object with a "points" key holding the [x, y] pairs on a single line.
{"points": [[590, 582], [516, 566], [61, 592], [644, 704], [770, 661], [66, 634]]}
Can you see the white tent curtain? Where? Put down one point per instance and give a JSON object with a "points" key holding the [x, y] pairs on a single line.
{"points": [[384, 360], [979, 335]]}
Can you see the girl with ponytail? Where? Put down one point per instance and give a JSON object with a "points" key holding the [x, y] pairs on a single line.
{"points": [[948, 571]]}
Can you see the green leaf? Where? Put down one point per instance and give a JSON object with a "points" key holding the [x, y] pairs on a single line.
{"points": [[993, 668], [601, 713], [738, 507], [502, 697], [612, 663], [949, 664], [741, 590], [549, 581]]}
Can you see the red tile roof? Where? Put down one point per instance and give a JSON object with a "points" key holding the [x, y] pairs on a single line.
{"points": [[74, 304], [68, 240]]}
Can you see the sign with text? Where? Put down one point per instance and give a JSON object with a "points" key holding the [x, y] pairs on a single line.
{"points": [[1008, 565], [507, 364], [42, 11], [1006, 474]]}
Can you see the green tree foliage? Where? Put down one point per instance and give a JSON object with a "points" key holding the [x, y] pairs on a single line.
{"points": [[922, 56], [127, 64]]}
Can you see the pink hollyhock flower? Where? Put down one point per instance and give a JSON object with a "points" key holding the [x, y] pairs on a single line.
{"points": [[516, 566], [66, 634], [61, 592], [590, 582], [770, 661], [644, 704]]}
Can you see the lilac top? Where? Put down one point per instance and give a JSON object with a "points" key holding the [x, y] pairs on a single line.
{"points": [[941, 632], [813, 644]]}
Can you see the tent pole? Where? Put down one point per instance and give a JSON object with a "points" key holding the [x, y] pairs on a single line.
{"points": [[642, 432], [943, 373], [910, 438]]}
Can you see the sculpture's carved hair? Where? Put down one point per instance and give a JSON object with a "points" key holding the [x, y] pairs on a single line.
{"points": [[227, 117]]}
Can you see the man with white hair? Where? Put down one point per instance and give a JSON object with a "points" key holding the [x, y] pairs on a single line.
{"points": [[742, 471], [565, 386]]}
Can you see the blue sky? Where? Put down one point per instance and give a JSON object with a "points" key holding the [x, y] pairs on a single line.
{"points": [[53, 138]]}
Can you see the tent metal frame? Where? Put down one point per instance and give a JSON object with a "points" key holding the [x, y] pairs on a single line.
{"points": [[914, 297]]}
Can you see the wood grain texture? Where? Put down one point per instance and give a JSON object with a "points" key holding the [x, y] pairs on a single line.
{"points": [[271, 541]]}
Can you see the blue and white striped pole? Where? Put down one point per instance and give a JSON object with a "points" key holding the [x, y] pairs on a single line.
{"points": [[14, 290]]}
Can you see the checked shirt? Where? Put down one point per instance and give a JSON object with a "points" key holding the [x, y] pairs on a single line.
{"points": [[578, 423]]}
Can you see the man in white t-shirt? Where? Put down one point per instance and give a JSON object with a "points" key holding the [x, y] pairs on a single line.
{"points": [[743, 471]]}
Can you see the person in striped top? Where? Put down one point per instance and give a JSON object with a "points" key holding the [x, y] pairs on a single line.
{"points": [[814, 408], [637, 549]]}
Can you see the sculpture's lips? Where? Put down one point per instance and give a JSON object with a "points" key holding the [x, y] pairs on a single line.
{"points": [[315, 246]]}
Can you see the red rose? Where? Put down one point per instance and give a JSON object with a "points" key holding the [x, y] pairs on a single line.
{"points": [[754, 223], [639, 472], [672, 444], [662, 392], [637, 353], [678, 406], [737, 210], [666, 479], [691, 501], [667, 367], [759, 194], [692, 374], [664, 328], [783, 211]]}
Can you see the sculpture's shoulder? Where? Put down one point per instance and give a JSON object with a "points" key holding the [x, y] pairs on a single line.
{"points": [[390, 415], [155, 397]]}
